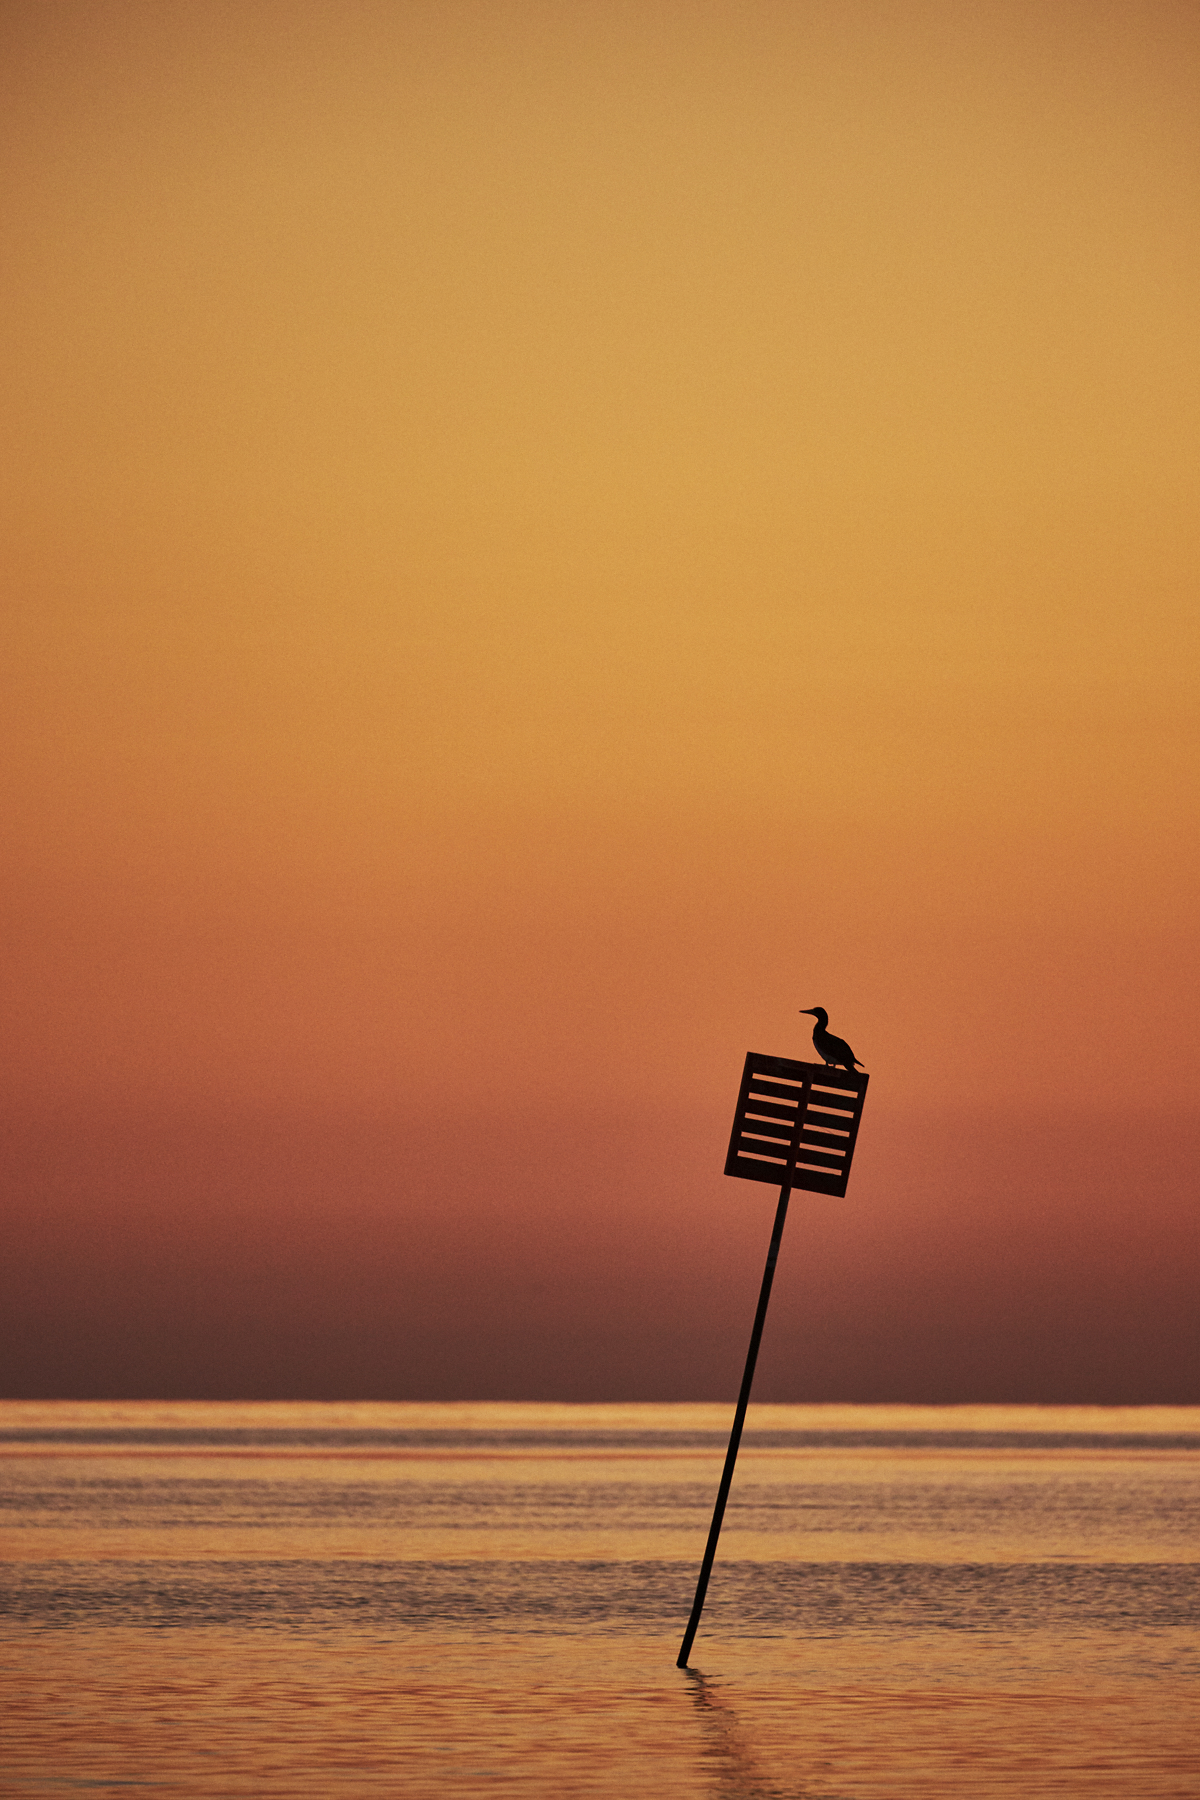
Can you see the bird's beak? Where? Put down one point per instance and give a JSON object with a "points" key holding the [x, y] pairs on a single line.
{"points": [[809, 1011]]}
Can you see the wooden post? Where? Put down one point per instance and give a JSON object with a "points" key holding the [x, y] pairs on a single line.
{"points": [[739, 1419]]}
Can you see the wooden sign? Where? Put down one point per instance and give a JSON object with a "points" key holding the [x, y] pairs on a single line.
{"points": [[796, 1122]]}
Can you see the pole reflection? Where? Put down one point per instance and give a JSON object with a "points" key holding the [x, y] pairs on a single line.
{"points": [[729, 1749]]}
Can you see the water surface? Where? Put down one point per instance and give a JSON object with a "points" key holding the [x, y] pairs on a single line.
{"points": [[430, 1600]]}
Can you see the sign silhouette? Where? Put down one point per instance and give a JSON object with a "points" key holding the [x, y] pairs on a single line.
{"points": [[796, 1123]]}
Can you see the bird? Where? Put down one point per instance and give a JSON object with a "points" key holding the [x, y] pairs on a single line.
{"points": [[835, 1051]]}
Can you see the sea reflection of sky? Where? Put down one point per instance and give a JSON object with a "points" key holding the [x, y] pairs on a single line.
{"points": [[305, 1600]]}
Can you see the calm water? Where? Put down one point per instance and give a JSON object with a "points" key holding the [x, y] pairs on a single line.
{"points": [[315, 1600]]}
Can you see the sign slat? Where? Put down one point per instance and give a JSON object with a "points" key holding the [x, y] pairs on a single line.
{"points": [[775, 1088], [769, 1109], [820, 1159], [832, 1140]]}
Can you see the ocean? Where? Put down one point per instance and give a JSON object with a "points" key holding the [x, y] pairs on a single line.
{"points": [[295, 1599]]}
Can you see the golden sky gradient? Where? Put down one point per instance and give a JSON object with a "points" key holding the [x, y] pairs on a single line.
{"points": [[541, 539]]}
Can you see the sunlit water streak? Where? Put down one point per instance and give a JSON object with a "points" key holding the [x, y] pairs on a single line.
{"points": [[430, 1601]]}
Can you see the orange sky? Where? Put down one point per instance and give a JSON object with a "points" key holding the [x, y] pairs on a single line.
{"points": [[540, 539]]}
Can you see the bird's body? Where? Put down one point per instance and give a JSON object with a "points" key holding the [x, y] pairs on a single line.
{"points": [[835, 1052]]}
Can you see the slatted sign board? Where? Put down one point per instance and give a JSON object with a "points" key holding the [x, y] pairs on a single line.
{"points": [[796, 1122]]}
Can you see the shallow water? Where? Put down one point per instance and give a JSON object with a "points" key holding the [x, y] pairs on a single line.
{"points": [[431, 1601]]}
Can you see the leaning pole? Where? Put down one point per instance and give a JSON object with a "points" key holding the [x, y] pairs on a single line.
{"points": [[796, 1123]]}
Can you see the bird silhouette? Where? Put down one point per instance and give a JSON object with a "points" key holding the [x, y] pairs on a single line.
{"points": [[835, 1051]]}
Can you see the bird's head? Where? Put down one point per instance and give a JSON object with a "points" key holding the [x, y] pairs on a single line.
{"points": [[818, 1013]]}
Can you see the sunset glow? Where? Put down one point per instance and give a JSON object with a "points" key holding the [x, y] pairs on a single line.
{"points": [[540, 541]]}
